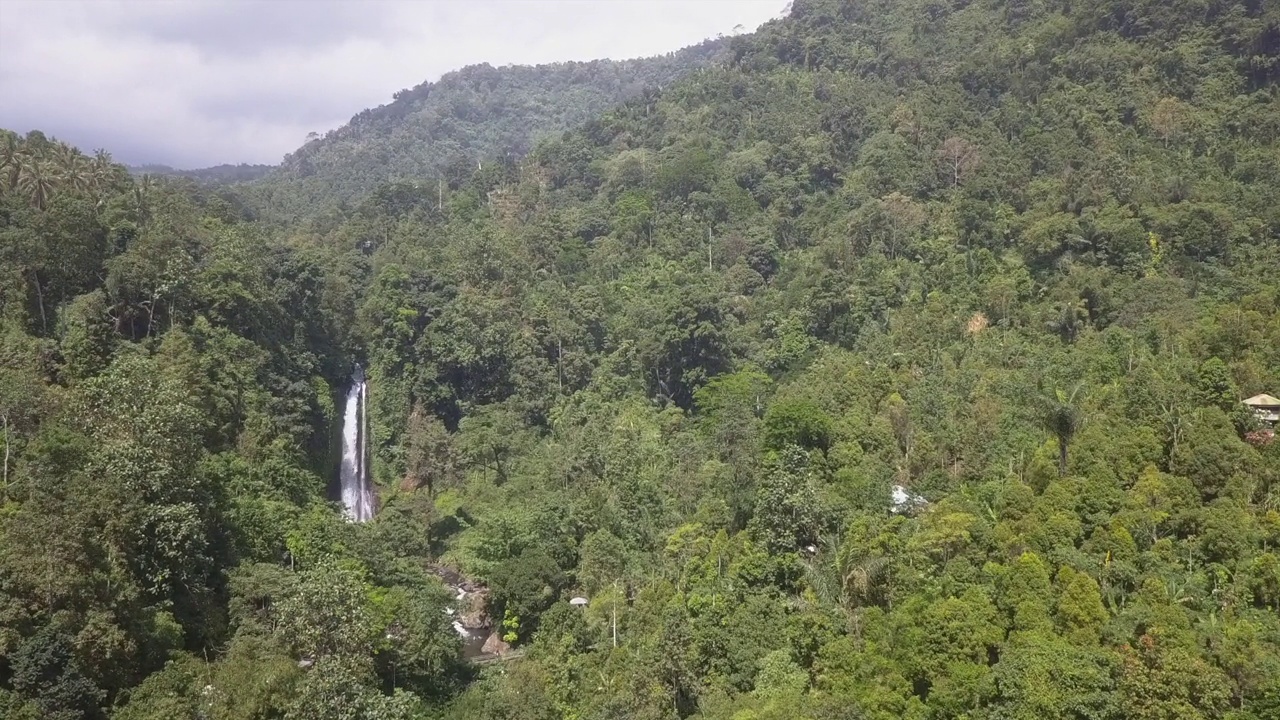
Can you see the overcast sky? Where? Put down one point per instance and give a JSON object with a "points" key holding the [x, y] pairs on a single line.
{"points": [[193, 83]]}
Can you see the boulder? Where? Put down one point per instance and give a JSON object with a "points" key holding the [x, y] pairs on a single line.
{"points": [[495, 645], [472, 610]]}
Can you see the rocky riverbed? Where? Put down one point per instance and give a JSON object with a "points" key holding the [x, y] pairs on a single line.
{"points": [[481, 637]]}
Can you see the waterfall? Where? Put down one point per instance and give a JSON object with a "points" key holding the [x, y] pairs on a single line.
{"points": [[357, 495]]}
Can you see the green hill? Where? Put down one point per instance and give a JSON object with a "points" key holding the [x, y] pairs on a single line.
{"points": [[467, 116], [889, 367], [218, 174]]}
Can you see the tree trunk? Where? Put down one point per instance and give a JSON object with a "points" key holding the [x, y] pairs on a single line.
{"points": [[151, 311], [5, 483], [615, 613], [1062, 456], [35, 277]]}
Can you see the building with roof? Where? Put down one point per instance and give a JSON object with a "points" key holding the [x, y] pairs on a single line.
{"points": [[1265, 407]]}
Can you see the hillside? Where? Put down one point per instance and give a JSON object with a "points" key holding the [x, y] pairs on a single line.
{"points": [[217, 174], [470, 115], [889, 368]]}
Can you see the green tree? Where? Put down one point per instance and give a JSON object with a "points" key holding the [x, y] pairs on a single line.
{"points": [[789, 514], [336, 689], [1159, 681], [45, 670], [1081, 613], [799, 422], [1062, 415], [327, 615]]}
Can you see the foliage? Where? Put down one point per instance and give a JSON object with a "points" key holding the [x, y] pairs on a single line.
{"points": [[443, 129], [887, 367]]}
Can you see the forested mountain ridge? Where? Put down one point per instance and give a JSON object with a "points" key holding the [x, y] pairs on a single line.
{"points": [[217, 174], [470, 115], [1014, 261]]}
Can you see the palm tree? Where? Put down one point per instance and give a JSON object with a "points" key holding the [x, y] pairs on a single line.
{"points": [[105, 176], [142, 191], [860, 580], [1072, 318], [71, 167], [34, 180], [10, 160], [101, 168], [1063, 417]]}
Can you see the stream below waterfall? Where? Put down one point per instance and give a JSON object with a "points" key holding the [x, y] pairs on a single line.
{"points": [[469, 613], [473, 638]]}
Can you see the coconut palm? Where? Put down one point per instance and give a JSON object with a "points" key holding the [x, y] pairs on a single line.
{"points": [[143, 189], [101, 169], [35, 180], [71, 168], [10, 160]]}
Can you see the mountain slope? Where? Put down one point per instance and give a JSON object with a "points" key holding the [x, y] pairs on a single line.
{"points": [[216, 175], [469, 115], [1012, 261], [1016, 257]]}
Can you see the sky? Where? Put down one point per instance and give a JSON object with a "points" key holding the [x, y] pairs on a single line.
{"points": [[194, 83]]}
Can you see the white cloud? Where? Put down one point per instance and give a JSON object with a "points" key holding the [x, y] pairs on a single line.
{"points": [[203, 82]]}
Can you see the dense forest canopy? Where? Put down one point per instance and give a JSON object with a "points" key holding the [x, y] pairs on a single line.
{"points": [[889, 366], [468, 117]]}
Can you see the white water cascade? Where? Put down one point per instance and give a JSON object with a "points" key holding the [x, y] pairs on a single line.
{"points": [[357, 495]]}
